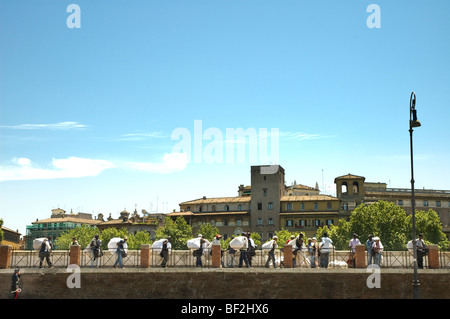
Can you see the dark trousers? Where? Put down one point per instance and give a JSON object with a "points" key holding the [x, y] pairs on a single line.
{"points": [[47, 258], [243, 258]]}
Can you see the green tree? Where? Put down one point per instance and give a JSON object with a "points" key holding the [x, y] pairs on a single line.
{"points": [[429, 224], [382, 219], [108, 233], [83, 234], [1, 230], [178, 230], [208, 231]]}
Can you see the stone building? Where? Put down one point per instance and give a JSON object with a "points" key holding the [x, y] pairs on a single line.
{"points": [[268, 205]]}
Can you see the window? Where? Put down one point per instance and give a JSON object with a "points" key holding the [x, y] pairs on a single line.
{"points": [[317, 222], [239, 222], [188, 208], [329, 205], [316, 206], [225, 222], [213, 208], [355, 187], [289, 223], [227, 208], [438, 203], [240, 207], [259, 221], [329, 222], [345, 206], [425, 203], [259, 206], [264, 192], [400, 202], [200, 209], [270, 206], [344, 188], [270, 221], [301, 223], [302, 206], [289, 206]]}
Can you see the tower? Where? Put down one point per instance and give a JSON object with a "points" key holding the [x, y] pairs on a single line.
{"points": [[267, 188], [350, 191]]}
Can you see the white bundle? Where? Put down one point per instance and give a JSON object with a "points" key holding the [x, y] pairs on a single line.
{"points": [[410, 246], [112, 245], [157, 245], [268, 245], [338, 264], [194, 243], [238, 242], [37, 243]]}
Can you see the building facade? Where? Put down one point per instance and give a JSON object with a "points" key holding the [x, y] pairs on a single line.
{"points": [[264, 207], [268, 205]]}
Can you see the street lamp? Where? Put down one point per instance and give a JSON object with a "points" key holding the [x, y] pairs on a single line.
{"points": [[413, 122]]}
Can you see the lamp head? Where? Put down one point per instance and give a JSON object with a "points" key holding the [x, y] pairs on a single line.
{"points": [[412, 108]]}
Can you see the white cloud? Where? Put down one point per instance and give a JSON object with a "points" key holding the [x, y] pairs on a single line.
{"points": [[172, 162], [141, 136], [72, 167], [300, 136], [54, 126]]}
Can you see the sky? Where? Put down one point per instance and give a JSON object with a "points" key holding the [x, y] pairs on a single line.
{"points": [[113, 105]]}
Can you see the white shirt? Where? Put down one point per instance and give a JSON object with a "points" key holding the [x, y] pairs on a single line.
{"points": [[353, 243]]}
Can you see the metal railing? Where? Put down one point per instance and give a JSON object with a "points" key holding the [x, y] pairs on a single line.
{"points": [[185, 258]]}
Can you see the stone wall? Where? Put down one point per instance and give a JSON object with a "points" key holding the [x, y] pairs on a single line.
{"points": [[224, 283]]}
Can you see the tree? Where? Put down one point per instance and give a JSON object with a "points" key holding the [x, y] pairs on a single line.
{"points": [[208, 231], [83, 234], [382, 219], [1, 230], [178, 230], [429, 224]]}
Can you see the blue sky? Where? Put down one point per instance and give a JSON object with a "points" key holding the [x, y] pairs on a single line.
{"points": [[87, 114]]}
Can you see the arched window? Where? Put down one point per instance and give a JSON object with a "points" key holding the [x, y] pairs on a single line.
{"points": [[344, 187], [355, 188]]}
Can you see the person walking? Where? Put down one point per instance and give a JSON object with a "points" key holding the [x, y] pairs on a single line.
{"points": [[312, 250], [45, 252], [96, 251], [251, 251], [325, 247], [231, 255], [421, 251], [271, 256], [15, 284], [121, 252], [199, 252], [165, 251], [243, 257]]}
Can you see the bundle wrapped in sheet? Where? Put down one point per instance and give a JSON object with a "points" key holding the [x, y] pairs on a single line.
{"points": [[157, 245], [239, 242], [37, 243], [112, 245]]}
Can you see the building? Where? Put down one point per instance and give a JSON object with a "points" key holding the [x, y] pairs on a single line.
{"points": [[264, 207], [11, 238], [148, 222], [60, 222], [268, 205]]}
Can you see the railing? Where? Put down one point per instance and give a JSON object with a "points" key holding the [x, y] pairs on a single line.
{"points": [[185, 258]]}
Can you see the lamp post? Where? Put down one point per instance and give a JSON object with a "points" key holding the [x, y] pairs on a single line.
{"points": [[413, 122]]}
